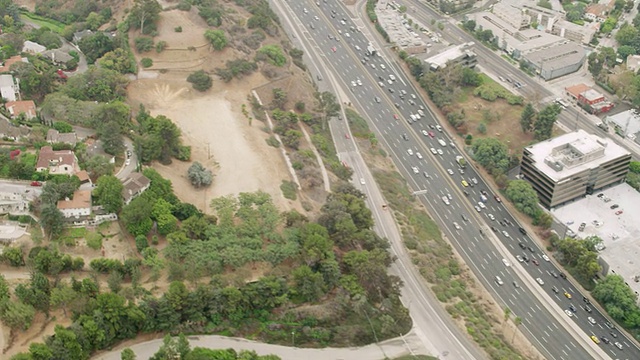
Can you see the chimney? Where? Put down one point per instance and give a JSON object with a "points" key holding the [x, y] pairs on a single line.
{"points": [[60, 159], [66, 199]]}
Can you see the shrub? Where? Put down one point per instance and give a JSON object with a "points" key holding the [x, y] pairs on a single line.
{"points": [[178, 29], [160, 46], [272, 141], [146, 62], [200, 80], [94, 240], [141, 243], [144, 44], [289, 190]]}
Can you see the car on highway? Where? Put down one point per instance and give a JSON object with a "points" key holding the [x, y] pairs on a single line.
{"points": [[425, 133], [426, 175], [506, 234], [395, 116], [605, 339], [359, 82], [587, 308], [554, 274], [415, 170], [522, 231], [614, 206], [450, 172], [618, 345], [445, 200], [619, 212], [36, 183], [383, 67], [522, 246], [569, 313], [478, 209], [555, 289], [362, 181], [405, 137], [439, 128], [567, 295], [540, 281], [431, 134], [346, 136], [519, 258], [497, 198], [376, 99], [419, 155], [591, 320], [499, 281], [433, 151], [506, 262], [516, 285], [464, 183], [482, 205], [440, 152], [410, 152], [595, 339], [380, 83], [464, 217], [455, 224], [490, 216], [334, 49], [535, 262]]}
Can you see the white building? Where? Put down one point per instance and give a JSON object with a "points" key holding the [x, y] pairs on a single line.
{"points": [[79, 206], [626, 123], [8, 88]]}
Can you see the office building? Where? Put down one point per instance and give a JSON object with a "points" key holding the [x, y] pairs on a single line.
{"points": [[460, 54], [573, 165]]}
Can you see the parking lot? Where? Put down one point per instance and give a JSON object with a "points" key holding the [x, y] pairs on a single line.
{"points": [[620, 233]]}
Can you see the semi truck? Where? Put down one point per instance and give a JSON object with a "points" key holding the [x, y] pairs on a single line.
{"points": [[461, 161]]}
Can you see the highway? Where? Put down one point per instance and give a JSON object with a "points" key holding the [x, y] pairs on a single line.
{"points": [[369, 81]]}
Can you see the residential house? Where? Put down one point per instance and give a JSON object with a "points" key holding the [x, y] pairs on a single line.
{"points": [[79, 206], [134, 185], [77, 36], [10, 61], [54, 136], [26, 107], [8, 88], [596, 12], [57, 56], [12, 203], [33, 47], [633, 62], [57, 162]]}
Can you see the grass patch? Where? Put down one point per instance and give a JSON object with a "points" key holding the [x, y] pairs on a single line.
{"points": [[434, 257], [289, 190], [358, 125], [272, 141], [54, 25]]}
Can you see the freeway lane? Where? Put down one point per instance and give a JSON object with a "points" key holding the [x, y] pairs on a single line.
{"points": [[361, 79]]}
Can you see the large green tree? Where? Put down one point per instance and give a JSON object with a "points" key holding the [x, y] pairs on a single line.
{"points": [[527, 117], [143, 13], [51, 220], [95, 46], [108, 193], [491, 153], [618, 299], [521, 193], [216, 38], [543, 127]]}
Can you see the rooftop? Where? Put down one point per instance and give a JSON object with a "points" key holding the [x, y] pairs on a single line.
{"points": [[558, 56], [54, 136], [563, 156], [48, 156], [628, 121], [81, 200], [577, 89], [16, 108], [10, 61], [440, 60], [133, 184]]}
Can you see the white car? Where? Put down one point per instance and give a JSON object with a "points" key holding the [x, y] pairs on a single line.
{"points": [[419, 155], [475, 181], [506, 234], [410, 152], [455, 224], [441, 153], [362, 181], [478, 209], [450, 171], [439, 128], [390, 82], [450, 197], [591, 320], [415, 170], [316, 18], [546, 258], [482, 205], [359, 82], [373, 65], [383, 67], [127, 162], [499, 281], [445, 200], [491, 217], [433, 151], [519, 258], [426, 175], [540, 281], [381, 84], [618, 345], [569, 313], [304, 10], [425, 133], [353, 83], [506, 262]]}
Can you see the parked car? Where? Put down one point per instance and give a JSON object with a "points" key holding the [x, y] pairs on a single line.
{"points": [[36, 183]]}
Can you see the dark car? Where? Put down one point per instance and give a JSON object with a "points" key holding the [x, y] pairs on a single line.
{"points": [[494, 229], [587, 308], [465, 193], [614, 206], [573, 308], [525, 257], [522, 246], [535, 262], [613, 334], [405, 137], [605, 340], [531, 249], [555, 289], [36, 183], [584, 298], [501, 223], [464, 217], [554, 274], [522, 231], [562, 275], [609, 325]]}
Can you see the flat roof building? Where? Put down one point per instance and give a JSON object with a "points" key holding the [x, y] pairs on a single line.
{"points": [[626, 123], [573, 165], [556, 61], [460, 54]]}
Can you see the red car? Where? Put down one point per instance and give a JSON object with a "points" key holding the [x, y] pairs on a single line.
{"points": [[431, 134], [36, 183], [395, 116], [333, 49], [535, 262], [619, 212], [346, 136]]}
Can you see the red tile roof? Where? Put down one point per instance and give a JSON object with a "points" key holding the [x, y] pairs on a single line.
{"points": [[47, 155]]}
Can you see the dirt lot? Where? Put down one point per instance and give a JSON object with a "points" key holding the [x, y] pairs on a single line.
{"points": [[212, 122]]}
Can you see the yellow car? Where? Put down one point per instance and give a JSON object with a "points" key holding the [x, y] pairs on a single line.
{"points": [[567, 295], [595, 339], [465, 183]]}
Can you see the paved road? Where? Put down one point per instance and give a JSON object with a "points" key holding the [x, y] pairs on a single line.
{"points": [[369, 80], [21, 187], [129, 166]]}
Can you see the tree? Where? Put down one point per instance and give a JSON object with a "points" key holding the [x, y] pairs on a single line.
{"points": [[617, 298], [587, 265], [525, 199], [327, 104], [118, 60], [97, 166], [127, 354], [543, 127], [491, 153], [111, 137], [161, 213], [63, 127], [309, 285], [52, 221], [216, 38], [108, 193], [625, 51], [16, 315], [273, 54], [62, 296], [279, 99], [95, 46], [143, 13], [13, 255], [627, 35], [137, 216], [199, 175], [469, 25], [292, 138], [96, 84], [527, 117], [200, 80]]}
